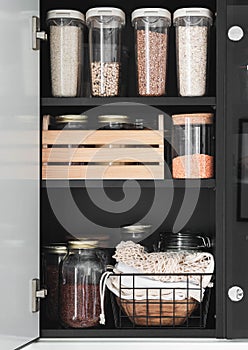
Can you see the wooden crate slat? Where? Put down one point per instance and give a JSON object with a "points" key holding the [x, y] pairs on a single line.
{"points": [[138, 172], [100, 137], [102, 154]]}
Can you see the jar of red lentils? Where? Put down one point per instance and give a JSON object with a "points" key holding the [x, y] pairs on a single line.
{"points": [[193, 146]]}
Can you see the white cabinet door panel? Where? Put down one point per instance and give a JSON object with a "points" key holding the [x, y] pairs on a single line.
{"points": [[19, 173]]}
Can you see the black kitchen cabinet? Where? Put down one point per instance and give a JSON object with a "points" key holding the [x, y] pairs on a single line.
{"points": [[216, 207]]}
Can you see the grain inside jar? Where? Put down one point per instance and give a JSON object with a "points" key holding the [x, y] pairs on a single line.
{"points": [[193, 146], [192, 36], [105, 25], [151, 38]]}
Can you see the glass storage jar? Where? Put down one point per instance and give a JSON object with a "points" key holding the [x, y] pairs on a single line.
{"points": [[71, 122], [151, 47], [80, 273], [135, 233], [105, 25], [66, 51], [193, 146], [113, 122], [52, 255], [183, 241], [192, 34]]}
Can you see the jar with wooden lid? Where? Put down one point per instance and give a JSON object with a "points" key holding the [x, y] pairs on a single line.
{"points": [[193, 146], [80, 273]]}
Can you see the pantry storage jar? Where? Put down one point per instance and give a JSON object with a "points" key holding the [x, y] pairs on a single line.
{"points": [[135, 233], [80, 273], [151, 47], [105, 26], [192, 37], [71, 122], [193, 146], [66, 51], [52, 255], [183, 241]]}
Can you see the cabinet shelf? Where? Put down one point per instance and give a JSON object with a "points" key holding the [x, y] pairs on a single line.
{"points": [[119, 333], [208, 183], [152, 101]]}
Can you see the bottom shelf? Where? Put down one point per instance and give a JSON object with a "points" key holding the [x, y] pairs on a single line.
{"points": [[102, 332]]}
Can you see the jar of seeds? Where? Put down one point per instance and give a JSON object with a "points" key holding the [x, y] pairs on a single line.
{"points": [[192, 33], [80, 273], [105, 25], [151, 46], [66, 51]]}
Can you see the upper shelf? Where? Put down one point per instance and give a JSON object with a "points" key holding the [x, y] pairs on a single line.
{"points": [[152, 101]]}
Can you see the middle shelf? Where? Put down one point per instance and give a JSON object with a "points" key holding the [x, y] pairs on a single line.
{"points": [[151, 101]]}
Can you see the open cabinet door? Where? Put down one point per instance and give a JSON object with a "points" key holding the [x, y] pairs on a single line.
{"points": [[237, 170], [19, 173]]}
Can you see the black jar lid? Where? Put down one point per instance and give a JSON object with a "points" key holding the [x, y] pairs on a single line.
{"points": [[185, 241]]}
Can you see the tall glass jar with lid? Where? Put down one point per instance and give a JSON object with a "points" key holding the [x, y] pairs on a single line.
{"points": [[80, 274]]}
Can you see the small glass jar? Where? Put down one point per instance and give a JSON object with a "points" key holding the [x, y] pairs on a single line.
{"points": [[135, 233], [52, 255], [105, 26], [71, 122], [113, 122], [192, 37], [190, 242], [151, 46], [66, 51], [193, 146], [80, 273]]}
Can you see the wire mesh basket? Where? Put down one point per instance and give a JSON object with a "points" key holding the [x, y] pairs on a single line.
{"points": [[185, 305]]}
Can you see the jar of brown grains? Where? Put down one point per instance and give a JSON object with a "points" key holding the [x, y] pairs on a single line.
{"points": [[193, 146], [80, 273], [52, 255], [151, 46]]}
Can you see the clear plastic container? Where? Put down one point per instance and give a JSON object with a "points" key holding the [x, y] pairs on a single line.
{"points": [[151, 46], [80, 273], [192, 37], [105, 25], [66, 51], [52, 255], [193, 146]]}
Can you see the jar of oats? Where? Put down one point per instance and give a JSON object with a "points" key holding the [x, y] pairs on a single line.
{"points": [[193, 146], [151, 47], [192, 34], [105, 26], [66, 51]]}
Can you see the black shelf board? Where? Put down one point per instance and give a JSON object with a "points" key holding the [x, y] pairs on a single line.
{"points": [[128, 333], [152, 101], [206, 183]]}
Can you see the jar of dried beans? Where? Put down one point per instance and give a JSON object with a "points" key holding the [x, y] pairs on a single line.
{"points": [[193, 146], [80, 273], [66, 51], [52, 255], [105, 25], [151, 45], [192, 33]]}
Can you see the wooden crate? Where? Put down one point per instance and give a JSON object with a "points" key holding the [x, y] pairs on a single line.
{"points": [[64, 151]]}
